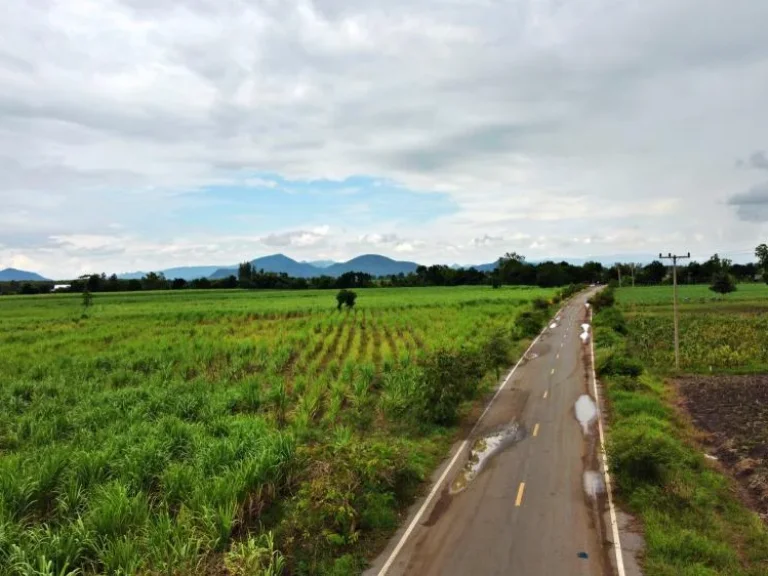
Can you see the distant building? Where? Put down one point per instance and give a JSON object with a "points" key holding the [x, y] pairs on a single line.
{"points": [[57, 287]]}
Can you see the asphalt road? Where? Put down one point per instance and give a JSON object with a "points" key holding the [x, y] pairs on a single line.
{"points": [[527, 511]]}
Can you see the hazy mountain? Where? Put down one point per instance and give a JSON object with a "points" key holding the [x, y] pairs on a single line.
{"points": [[320, 263], [186, 272], [277, 263], [10, 274], [372, 264]]}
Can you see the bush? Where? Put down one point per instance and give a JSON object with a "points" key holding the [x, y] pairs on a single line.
{"points": [[603, 299], [612, 318], [528, 323], [617, 364], [540, 303], [642, 455], [345, 298], [449, 378]]}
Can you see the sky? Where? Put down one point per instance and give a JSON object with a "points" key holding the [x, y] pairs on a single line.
{"points": [[144, 134]]}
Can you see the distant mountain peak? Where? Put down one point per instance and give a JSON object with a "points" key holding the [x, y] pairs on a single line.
{"points": [[14, 274]]}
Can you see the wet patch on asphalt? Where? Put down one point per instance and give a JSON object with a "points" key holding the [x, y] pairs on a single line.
{"points": [[483, 450]]}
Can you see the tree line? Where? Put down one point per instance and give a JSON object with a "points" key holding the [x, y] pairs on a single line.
{"points": [[511, 269]]}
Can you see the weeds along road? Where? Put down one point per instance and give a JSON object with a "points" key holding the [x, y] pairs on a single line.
{"points": [[525, 497]]}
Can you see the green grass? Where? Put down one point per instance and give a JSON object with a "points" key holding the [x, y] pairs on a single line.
{"points": [[198, 431], [693, 521], [689, 295]]}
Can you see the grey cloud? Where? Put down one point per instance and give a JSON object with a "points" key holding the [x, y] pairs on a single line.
{"points": [[496, 102], [759, 160], [752, 205], [486, 240]]}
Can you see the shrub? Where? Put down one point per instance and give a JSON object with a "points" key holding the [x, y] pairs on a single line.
{"points": [[612, 318], [345, 298], [540, 303], [617, 364], [603, 299], [642, 455], [449, 377], [528, 323]]}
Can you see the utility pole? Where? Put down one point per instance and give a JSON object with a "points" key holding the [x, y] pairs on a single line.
{"points": [[618, 270], [674, 259], [633, 274]]}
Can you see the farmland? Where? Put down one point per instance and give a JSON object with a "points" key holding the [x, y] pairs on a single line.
{"points": [[231, 431], [716, 334], [696, 519]]}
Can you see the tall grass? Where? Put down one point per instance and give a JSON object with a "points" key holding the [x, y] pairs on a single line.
{"points": [[227, 431]]}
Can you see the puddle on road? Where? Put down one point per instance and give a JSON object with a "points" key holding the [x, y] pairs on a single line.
{"points": [[585, 327], [553, 326], [586, 412], [584, 337], [483, 449], [531, 356], [593, 483]]}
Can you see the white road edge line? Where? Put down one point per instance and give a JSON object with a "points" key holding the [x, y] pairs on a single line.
{"points": [[614, 523], [438, 485]]}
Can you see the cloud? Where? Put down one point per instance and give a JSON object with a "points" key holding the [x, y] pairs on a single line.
{"points": [[196, 119], [759, 160], [752, 205], [379, 239], [298, 238], [486, 240]]}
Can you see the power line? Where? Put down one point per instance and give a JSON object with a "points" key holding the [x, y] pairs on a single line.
{"points": [[675, 258]]}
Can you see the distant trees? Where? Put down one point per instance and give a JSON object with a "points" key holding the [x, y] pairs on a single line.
{"points": [[512, 269], [154, 281]]}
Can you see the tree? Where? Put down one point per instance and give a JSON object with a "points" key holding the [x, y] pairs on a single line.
{"points": [[245, 274], [722, 282], [655, 272], [761, 252], [87, 298], [154, 281], [178, 284], [345, 297]]}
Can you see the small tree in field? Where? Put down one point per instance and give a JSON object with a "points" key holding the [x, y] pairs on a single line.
{"points": [[723, 283], [345, 298], [87, 298]]}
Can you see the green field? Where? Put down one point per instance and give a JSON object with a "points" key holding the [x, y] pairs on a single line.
{"points": [[231, 431], [717, 334], [695, 518]]}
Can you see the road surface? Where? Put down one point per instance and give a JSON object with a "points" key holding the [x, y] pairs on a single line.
{"points": [[527, 512]]}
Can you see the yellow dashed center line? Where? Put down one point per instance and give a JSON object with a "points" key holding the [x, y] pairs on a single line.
{"points": [[546, 393], [520, 491], [558, 356], [536, 430]]}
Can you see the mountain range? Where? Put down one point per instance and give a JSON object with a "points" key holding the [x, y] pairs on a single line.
{"points": [[373, 264], [11, 274]]}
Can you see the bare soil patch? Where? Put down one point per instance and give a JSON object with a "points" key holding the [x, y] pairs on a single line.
{"points": [[733, 410]]}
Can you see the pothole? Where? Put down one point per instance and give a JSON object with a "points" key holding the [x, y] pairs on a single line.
{"points": [[483, 450]]}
